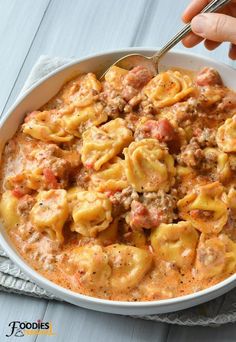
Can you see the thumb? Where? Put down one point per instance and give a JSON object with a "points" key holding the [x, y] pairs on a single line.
{"points": [[216, 27]]}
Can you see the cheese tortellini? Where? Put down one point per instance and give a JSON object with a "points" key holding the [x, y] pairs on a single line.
{"points": [[8, 209], [129, 265], [231, 199], [168, 88], [46, 126], [110, 234], [205, 208], [114, 77], [226, 135], [91, 265], [72, 196], [31, 179], [83, 118], [102, 144], [50, 212], [83, 91], [149, 166], [215, 255], [91, 213], [111, 177], [223, 170], [175, 243]]}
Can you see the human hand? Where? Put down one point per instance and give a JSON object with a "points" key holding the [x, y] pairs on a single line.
{"points": [[214, 28]]}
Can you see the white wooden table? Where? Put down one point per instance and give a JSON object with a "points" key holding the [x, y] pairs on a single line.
{"points": [[73, 28]]}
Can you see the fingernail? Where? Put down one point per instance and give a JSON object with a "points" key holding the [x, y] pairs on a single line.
{"points": [[199, 24]]}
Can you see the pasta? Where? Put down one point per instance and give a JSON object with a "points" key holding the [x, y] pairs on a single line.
{"points": [[50, 213], [125, 189], [102, 144], [91, 213], [83, 118], [114, 77], [226, 135], [110, 234], [32, 179], [231, 199], [215, 255], [204, 208], [8, 209], [168, 88], [176, 243], [137, 238], [92, 263], [149, 167], [223, 170], [129, 265], [82, 91], [46, 126], [111, 177]]}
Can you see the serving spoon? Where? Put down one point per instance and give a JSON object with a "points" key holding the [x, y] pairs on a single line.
{"points": [[130, 61]]}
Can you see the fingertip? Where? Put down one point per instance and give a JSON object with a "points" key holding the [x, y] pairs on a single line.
{"points": [[185, 18], [191, 40], [232, 52], [193, 9], [187, 42], [232, 56], [211, 45]]}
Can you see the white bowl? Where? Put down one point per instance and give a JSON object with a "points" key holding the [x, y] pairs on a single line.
{"points": [[38, 95]]}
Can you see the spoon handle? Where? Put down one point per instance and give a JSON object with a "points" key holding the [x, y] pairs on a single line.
{"points": [[213, 6]]}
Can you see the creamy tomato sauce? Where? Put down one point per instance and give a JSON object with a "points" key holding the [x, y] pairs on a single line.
{"points": [[125, 189]]}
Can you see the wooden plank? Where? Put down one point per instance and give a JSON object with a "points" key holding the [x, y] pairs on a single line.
{"points": [[77, 28], [19, 308], [226, 333], [72, 323], [19, 23]]}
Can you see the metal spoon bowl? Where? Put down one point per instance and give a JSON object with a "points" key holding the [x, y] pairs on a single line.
{"points": [[151, 63]]}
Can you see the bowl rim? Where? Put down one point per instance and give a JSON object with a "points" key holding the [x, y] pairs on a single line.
{"points": [[59, 290]]}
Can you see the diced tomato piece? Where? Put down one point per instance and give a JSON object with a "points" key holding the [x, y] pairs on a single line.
{"points": [[18, 193], [138, 77], [165, 131], [50, 177], [161, 130], [142, 217], [89, 166], [139, 209], [208, 77]]}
